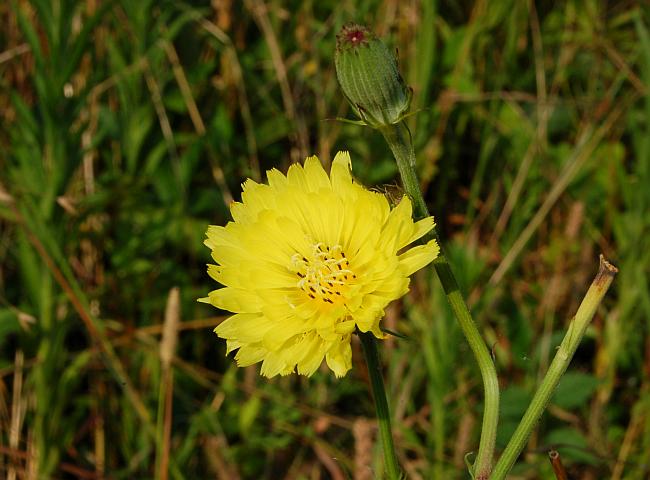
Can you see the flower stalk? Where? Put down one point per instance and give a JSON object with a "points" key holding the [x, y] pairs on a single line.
{"points": [[558, 366], [371, 354], [368, 74], [369, 78], [399, 141]]}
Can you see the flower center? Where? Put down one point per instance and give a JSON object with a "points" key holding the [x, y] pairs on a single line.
{"points": [[325, 274]]}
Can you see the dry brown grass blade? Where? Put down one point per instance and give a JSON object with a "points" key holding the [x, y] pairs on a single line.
{"points": [[184, 86], [362, 430], [18, 408], [259, 12], [539, 142], [112, 360], [195, 116], [5, 197], [330, 464], [170, 328], [588, 142], [99, 436], [634, 429], [167, 351], [29, 472], [463, 439], [232, 59], [213, 448], [14, 52]]}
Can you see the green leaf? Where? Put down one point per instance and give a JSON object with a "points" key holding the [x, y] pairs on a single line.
{"points": [[574, 390], [248, 414], [9, 323], [514, 401]]}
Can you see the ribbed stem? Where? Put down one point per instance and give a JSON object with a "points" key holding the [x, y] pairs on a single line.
{"points": [[399, 141], [563, 357], [369, 346]]}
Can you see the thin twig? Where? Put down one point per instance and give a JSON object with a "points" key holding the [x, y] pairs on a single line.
{"points": [[556, 463]]}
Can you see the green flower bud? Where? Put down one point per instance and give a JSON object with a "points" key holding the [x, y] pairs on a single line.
{"points": [[367, 72]]}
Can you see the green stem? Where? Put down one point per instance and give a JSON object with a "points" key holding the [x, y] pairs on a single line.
{"points": [[369, 345], [399, 141], [563, 357]]}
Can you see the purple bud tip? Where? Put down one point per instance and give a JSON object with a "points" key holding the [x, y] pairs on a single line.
{"points": [[353, 35]]}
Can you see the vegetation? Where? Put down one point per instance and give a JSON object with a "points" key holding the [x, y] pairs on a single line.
{"points": [[127, 127]]}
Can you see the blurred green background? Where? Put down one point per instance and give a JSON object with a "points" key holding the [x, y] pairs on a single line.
{"points": [[126, 127]]}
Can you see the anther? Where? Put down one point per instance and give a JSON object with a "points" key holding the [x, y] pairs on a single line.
{"points": [[324, 273]]}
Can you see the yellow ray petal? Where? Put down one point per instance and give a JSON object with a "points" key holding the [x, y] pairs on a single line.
{"points": [[340, 174], [274, 364], [417, 257], [276, 180], [250, 354], [339, 356], [422, 227], [315, 175], [244, 327], [398, 227], [235, 300]]}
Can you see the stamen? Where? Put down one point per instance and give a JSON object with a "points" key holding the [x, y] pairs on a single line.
{"points": [[325, 275]]}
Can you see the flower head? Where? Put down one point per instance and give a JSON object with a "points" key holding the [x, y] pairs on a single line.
{"points": [[367, 72], [308, 259]]}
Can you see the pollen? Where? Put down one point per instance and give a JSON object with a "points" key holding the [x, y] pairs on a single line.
{"points": [[326, 275]]}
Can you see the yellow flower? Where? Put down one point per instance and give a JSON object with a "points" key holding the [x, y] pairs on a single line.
{"points": [[306, 260]]}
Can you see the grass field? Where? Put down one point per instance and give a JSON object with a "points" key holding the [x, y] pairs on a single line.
{"points": [[126, 128]]}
